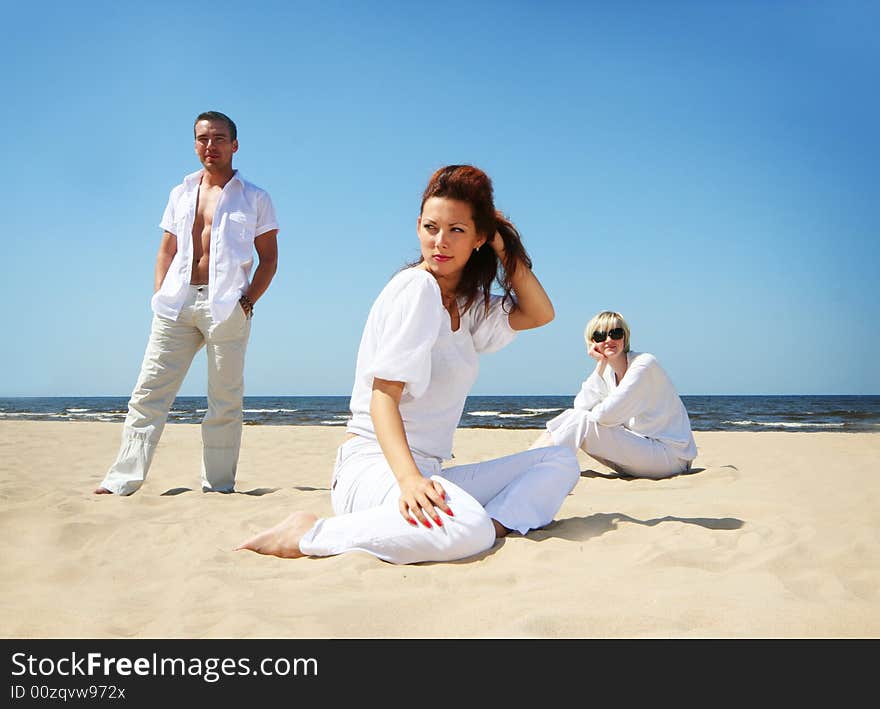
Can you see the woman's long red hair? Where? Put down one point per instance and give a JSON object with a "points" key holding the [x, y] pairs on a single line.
{"points": [[469, 184]]}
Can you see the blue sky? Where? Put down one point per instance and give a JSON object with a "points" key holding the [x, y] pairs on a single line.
{"points": [[709, 169]]}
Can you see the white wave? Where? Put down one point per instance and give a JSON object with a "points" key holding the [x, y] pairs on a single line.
{"points": [[265, 411], [483, 413], [77, 411], [29, 413], [344, 417], [783, 424], [98, 414], [543, 411], [334, 423], [516, 416]]}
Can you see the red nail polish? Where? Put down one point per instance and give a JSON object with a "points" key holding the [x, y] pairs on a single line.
{"points": [[450, 513], [426, 524], [439, 523]]}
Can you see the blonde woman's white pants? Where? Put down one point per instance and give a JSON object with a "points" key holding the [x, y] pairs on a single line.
{"points": [[617, 447]]}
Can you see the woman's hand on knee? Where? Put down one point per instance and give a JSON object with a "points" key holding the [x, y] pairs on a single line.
{"points": [[419, 499]]}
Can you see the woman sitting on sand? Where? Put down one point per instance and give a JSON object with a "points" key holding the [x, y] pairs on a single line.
{"points": [[417, 361], [627, 414]]}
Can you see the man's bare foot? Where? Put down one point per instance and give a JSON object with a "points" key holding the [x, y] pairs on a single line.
{"points": [[282, 539], [102, 491]]}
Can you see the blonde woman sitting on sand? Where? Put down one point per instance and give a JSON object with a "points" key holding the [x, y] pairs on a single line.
{"points": [[418, 358], [627, 414]]}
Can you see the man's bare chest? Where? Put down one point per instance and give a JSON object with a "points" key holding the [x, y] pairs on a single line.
{"points": [[206, 206]]}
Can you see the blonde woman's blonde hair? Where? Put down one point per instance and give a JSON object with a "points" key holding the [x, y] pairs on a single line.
{"points": [[605, 321]]}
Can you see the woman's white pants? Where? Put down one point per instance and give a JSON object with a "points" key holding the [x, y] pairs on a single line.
{"points": [[617, 447], [521, 491]]}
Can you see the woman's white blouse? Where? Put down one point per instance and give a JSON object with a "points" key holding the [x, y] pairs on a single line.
{"points": [[408, 338], [645, 402]]}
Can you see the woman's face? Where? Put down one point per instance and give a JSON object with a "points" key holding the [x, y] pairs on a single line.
{"points": [[609, 346], [447, 236]]}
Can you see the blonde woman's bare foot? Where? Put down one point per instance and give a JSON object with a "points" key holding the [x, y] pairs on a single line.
{"points": [[102, 491], [282, 539], [542, 441]]}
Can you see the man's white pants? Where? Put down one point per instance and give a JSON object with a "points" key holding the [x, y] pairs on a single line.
{"points": [[521, 491], [617, 447], [170, 351]]}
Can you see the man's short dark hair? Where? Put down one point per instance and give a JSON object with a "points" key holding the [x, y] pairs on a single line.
{"points": [[217, 116]]}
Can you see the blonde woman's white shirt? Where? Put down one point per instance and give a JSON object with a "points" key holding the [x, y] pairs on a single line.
{"points": [[408, 338], [645, 402], [243, 212]]}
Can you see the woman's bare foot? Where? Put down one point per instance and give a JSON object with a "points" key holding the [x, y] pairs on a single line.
{"points": [[282, 539], [102, 491], [542, 441], [500, 529]]}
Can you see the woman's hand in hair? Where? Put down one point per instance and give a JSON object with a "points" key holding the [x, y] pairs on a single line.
{"points": [[497, 244]]}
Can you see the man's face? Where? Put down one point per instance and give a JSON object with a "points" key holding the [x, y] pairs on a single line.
{"points": [[214, 145]]}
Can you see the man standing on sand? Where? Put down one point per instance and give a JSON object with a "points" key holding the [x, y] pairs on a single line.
{"points": [[203, 296]]}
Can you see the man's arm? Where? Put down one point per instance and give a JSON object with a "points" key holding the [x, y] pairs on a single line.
{"points": [[167, 252], [267, 250]]}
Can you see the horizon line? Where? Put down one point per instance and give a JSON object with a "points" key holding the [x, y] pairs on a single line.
{"points": [[266, 396]]}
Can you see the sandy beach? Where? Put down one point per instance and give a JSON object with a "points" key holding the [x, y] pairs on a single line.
{"points": [[774, 535]]}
